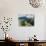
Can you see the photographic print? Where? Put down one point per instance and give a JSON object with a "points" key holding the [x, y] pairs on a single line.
{"points": [[27, 20]]}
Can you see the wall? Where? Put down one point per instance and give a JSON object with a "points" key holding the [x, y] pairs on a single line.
{"points": [[12, 8], [45, 29]]}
